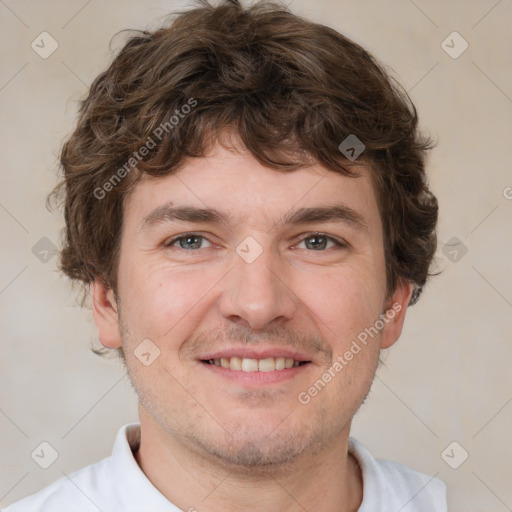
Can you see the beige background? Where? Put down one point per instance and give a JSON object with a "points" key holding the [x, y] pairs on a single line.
{"points": [[448, 379]]}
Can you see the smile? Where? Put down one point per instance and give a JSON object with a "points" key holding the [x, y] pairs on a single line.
{"points": [[268, 364]]}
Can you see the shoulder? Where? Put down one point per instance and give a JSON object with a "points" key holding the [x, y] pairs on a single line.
{"points": [[392, 484], [80, 488], [99, 486], [113, 484]]}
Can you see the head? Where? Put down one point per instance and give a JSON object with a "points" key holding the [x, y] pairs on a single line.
{"points": [[243, 113]]}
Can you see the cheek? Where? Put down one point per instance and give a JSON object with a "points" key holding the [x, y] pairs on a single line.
{"points": [[158, 302], [343, 303]]}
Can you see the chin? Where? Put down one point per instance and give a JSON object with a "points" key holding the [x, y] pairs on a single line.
{"points": [[261, 446]]}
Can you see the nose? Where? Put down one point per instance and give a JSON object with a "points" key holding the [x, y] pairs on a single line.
{"points": [[256, 294]]}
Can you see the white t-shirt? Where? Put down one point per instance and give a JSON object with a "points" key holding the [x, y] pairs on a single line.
{"points": [[117, 484]]}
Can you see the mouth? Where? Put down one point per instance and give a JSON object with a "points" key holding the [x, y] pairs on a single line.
{"points": [[255, 368], [250, 365]]}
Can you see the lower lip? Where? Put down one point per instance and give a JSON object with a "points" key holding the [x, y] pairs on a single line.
{"points": [[257, 378]]}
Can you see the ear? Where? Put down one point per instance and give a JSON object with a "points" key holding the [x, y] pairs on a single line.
{"points": [[394, 314], [104, 310]]}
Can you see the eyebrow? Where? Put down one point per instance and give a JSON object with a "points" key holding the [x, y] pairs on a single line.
{"points": [[332, 213]]}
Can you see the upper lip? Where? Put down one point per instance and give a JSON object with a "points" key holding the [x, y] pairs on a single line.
{"points": [[256, 353]]}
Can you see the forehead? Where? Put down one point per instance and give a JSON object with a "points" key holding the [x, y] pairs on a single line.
{"points": [[242, 191]]}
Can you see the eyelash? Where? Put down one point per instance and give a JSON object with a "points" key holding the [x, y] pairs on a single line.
{"points": [[338, 243]]}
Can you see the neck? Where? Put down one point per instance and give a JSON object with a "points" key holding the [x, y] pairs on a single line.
{"points": [[329, 480]]}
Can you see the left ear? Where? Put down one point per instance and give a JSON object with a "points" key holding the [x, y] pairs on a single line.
{"points": [[394, 315], [104, 310]]}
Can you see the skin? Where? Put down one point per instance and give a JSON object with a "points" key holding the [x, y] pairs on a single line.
{"points": [[212, 443]]}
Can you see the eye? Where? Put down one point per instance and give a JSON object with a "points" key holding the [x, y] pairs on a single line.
{"points": [[188, 241], [319, 241], [312, 241]]}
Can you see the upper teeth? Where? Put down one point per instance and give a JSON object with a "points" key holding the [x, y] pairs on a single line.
{"points": [[268, 364]]}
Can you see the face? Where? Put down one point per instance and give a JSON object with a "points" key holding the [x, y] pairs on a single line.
{"points": [[245, 306]]}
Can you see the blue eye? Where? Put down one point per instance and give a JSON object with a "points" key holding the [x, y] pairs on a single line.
{"points": [[319, 241], [313, 241], [188, 241]]}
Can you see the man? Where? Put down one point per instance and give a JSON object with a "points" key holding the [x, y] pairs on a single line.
{"points": [[245, 198]]}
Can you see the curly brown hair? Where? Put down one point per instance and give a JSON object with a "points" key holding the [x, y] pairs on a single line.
{"points": [[292, 90]]}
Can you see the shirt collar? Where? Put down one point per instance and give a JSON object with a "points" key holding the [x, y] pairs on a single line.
{"points": [[134, 489]]}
